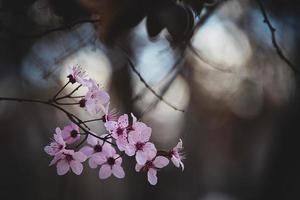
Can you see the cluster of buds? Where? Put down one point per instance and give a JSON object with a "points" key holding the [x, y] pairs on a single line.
{"points": [[126, 136]]}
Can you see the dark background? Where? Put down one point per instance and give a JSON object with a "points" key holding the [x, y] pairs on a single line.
{"points": [[241, 126]]}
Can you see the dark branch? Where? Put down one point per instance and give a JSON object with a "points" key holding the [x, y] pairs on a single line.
{"points": [[132, 66], [273, 34]]}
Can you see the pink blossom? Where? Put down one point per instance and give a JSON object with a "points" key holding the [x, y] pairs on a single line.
{"points": [[95, 99], [109, 115], [77, 75], [70, 133], [95, 148], [118, 131], [176, 155], [139, 143], [151, 167], [111, 164], [57, 145], [67, 159]]}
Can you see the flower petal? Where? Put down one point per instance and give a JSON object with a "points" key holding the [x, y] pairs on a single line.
{"points": [[105, 171], [62, 167], [87, 150], [160, 162], [138, 167], [141, 157], [92, 140], [92, 163], [150, 150], [118, 171], [123, 121], [152, 178], [76, 167], [79, 156]]}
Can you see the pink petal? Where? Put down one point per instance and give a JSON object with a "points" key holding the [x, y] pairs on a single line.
{"points": [[92, 140], [118, 171], [111, 125], [62, 167], [130, 149], [179, 145], [152, 178], [87, 150], [123, 121], [121, 143], [103, 97], [92, 163], [105, 171], [76, 167], [175, 161], [150, 150], [145, 134], [79, 156], [134, 137], [138, 167], [160, 162], [141, 157], [99, 158]]}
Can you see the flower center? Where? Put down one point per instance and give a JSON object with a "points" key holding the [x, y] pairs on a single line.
{"points": [[98, 148], [111, 161], [139, 146], [69, 157], [71, 79], [119, 131], [74, 133], [82, 103], [148, 165]]}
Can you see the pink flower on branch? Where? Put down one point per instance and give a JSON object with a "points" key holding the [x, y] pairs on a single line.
{"points": [[96, 99], [139, 143], [177, 156], [96, 148], [67, 159], [57, 145], [118, 130], [77, 75], [151, 167], [70, 133], [110, 164]]}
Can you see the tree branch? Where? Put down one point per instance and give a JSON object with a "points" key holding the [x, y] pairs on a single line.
{"points": [[273, 35]]}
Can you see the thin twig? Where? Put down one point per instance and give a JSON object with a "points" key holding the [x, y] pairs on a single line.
{"points": [[273, 35], [132, 66]]}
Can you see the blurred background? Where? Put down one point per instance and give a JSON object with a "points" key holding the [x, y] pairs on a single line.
{"points": [[240, 126]]}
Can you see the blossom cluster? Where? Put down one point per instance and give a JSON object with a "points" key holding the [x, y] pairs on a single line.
{"points": [[126, 136]]}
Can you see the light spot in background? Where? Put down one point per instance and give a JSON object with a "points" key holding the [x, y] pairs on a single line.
{"points": [[43, 63], [154, 58], [222, 43], [166, 122]]}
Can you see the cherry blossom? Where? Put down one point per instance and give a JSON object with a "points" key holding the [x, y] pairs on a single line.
{"points": [[110, 164], [177, 156], [118, 130], [151, 167], [95, 99], [109, 115], [70, 133], [139, 143], [67, 159], [77, 75], [57, 145], [95, 148]]}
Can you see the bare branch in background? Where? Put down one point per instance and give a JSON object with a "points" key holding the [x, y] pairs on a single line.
{"points": [[273, 34], [132, 66]]}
